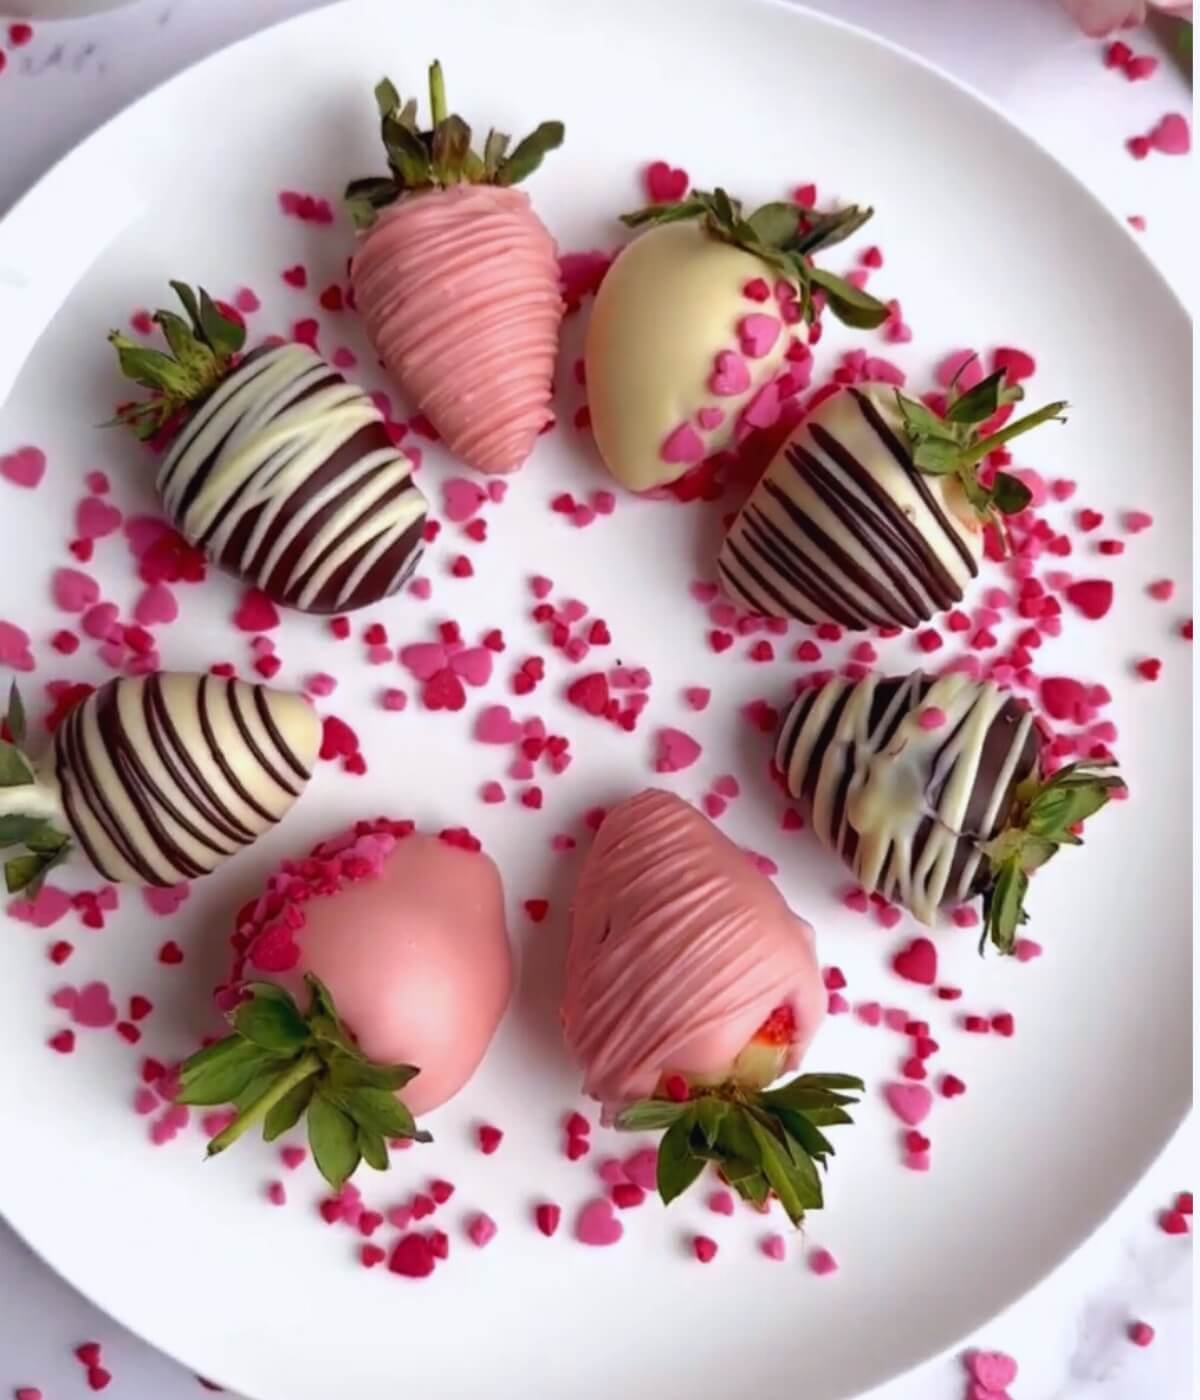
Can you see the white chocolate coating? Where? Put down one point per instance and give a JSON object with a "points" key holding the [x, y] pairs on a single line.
{"points": [[265, 477], [843, 528], [163, 777], [670, 302], [909, 807]]}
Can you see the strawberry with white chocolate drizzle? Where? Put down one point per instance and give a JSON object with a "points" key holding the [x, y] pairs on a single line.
{"points": [[396, 942], [691, 987], [157, 779], [279, 468], [457, 278], [935, 792], [872, 512], [692, 327]]}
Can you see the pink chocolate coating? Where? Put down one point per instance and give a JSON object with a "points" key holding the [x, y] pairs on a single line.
{"points": [[679, 951], [460, 292], [418, 962]]}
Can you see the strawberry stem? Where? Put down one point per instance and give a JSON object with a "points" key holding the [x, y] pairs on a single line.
{"points": [[304, 1068], [437, 93], [979, 450]]}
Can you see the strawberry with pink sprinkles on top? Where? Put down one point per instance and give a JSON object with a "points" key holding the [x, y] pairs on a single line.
{"points": [[397, 942], [457, 278], [690, 342]]}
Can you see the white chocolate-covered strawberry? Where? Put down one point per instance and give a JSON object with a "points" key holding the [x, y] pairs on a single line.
{"points": [[872, 512], [693, 326], [157, 779]]}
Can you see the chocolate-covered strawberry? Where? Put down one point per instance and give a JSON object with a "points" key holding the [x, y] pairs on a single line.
{"points": [[692, 327], [457, 278], [691, 987], [936, 791], [872, 512], [156, 778], [278, 467], [395, 945]]}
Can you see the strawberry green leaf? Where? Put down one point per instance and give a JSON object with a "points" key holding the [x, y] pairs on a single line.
{"points": [[15, 768], [442, 155], [288, 1111], [15, 716], [373, 1149], [529, 153], [648, 1114], [334, 1141], [1042, 822], [280, 1065], [271, 1020], [978, 404], [222, 1072], [678, 1166], [1010, 494], [775, 224], [15, 829], [710, 1111], [850, 304]]}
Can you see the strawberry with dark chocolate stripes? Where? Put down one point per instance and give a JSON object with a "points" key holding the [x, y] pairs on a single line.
{"points": [[279, 468]]}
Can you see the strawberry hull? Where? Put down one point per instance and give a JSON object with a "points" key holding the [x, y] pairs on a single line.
{"points": [[459, 289]]}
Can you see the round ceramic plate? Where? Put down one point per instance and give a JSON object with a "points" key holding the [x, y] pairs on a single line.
{"points": [[987, 242]]}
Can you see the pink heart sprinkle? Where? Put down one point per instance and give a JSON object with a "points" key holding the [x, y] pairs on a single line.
{"points": [[821, 1262], [66, 999], [98, 621], [961, 363], [496, 725], [895, 1018], [474, 665], [918, 962], [24, 467], [697, 696], [682, 444], [165, 902], [15, 652], [774, 1247], [870, 1013], [675, 751], [702, 591], [156, 605], [611, 1172], [421, 588], [95, 518], [423, 659], [1172, 136], [721, 1202], [757, 333], [256, 613], [710, 417], [730, 374], [1026, 949], [763, 409], [520, 769], [292, 1157], [597, 1225], [497, 490], [74, 591], [641, 1168], [482, 1229], [994, 1370], [461, 499], [909, 1102], [713, 805]]}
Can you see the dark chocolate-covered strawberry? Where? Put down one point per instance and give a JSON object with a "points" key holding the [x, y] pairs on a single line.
{"points": [[277, 466]]}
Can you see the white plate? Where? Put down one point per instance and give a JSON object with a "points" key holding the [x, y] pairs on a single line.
{"points": [[987, 241]]}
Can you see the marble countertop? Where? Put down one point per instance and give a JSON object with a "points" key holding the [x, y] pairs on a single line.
{"points": [[1070, 1333]]}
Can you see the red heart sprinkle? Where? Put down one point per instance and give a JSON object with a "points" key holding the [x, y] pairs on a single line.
{"points": [[917, 963]]}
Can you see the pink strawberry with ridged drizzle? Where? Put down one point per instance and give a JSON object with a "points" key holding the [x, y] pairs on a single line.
{"points": [[457, 278]]}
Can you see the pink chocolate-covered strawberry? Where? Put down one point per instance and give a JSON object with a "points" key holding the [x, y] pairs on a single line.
{"points": [[691, 987], [457, 278], [368, 981]]}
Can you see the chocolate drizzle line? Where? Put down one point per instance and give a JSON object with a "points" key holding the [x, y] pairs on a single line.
{"points": [[185, 801], [778, 559]]}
